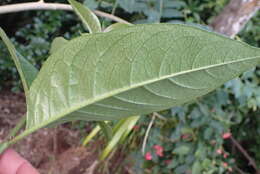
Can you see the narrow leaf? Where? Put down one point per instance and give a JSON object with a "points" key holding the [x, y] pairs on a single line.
{"points": [[128, 123], [196, 168], [26, 70], [107, 130], [181, 150], [129, 128], [27, 74], [92, 134], [133, 71], [89, 19]]}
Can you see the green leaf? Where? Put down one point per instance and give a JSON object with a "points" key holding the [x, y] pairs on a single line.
{"points": [[120, 134], [91, 135], [173, 164], [116, 26], [206, 163], [129, 128], [172, 13], [3, 147], [89, 19], [133, 71], [25, 69], [182, 150], [58, 43], [196, 168], [107, 130]]}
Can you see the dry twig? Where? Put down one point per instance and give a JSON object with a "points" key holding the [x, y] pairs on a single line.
{"points": [[40, 5], [244, 152]]}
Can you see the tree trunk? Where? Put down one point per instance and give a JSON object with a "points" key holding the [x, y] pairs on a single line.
{"points": [[234, 16]]}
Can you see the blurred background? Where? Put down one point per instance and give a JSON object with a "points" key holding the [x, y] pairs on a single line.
{"points": [[217, 134]]}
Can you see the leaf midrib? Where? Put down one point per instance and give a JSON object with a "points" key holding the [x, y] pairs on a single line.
{"points": [[124, 89]]}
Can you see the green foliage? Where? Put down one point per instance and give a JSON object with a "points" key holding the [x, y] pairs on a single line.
{"points": [[250, 33], [142, 86], [200, 127], [233, 107], [26, 70], [116, 26], [33, 41], [191, 137], [120, 132], [154, 10], [57, 43], [88, 18]]}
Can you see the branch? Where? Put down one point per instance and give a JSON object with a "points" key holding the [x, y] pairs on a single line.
{"points": [[147, 134], [234, 16], [40, 5], [244, 152]]}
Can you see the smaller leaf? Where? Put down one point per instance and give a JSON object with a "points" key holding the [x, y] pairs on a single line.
{"points": [[129, 128], [171, 13], [107, 130], [57, 43], [116, 26], [182, 150], [196, 168], [92, 4], [173, 164], [30, 72], [121, 128], [174, 4], [91, 135], [186, 130], [206, 163], [25, 69], [89, 19]]}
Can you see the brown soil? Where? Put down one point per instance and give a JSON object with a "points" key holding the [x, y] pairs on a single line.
{"points": [[51, 150]]}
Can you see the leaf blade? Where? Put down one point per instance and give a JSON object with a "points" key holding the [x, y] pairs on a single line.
{"points": [[89, 19], [119, 135], [137, 87], [106, 129], [25, 69], [116, 26], [57, 43]]}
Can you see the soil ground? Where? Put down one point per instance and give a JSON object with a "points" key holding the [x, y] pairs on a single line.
{"points": [[50, 150]]}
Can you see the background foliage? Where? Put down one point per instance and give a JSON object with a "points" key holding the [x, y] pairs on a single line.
{"points": [[192, 140]]}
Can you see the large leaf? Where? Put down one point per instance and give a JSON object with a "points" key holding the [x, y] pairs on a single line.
{"points": [[57, 43], [89, 19], [133, 71], [26, 70], [116, 26]]}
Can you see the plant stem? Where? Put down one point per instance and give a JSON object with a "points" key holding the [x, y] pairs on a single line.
{"points": [[91, 135], [12, 133], [147, 133], [6, 144], [40, 5], [244, 152], [114, 8], [17, 128]]}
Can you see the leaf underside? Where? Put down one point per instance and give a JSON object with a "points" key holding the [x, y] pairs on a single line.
{"points": [[132, 71], [58, 43]]}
